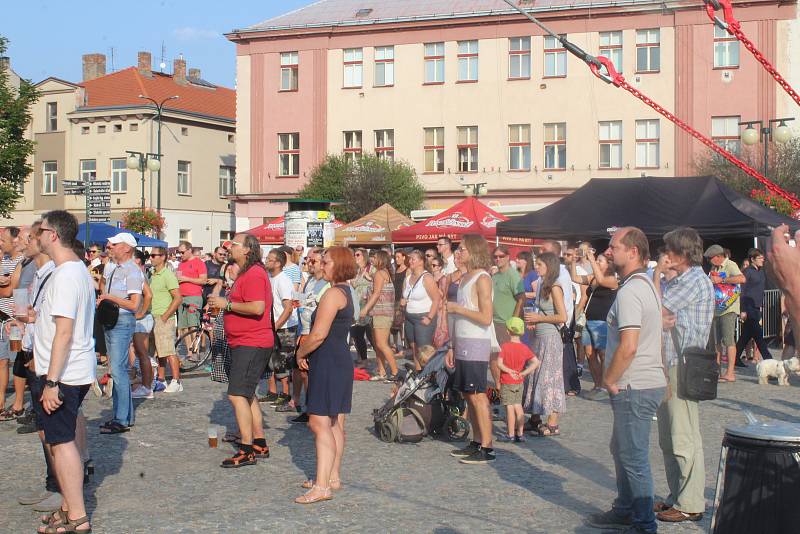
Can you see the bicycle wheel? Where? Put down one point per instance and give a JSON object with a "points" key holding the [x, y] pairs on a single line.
{"points": [[193, 352]]}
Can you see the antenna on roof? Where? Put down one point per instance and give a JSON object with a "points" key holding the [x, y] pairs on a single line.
{"points": [[163, 64], [112, 60]]}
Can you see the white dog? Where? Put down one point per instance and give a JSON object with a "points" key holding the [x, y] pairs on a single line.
{"points": [[777, 369]]}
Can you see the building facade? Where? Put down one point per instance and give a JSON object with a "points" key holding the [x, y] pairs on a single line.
{"points": [[470, 92], [84, 130]]}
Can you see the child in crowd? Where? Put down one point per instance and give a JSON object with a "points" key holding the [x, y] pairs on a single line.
{"points": [[425, 352], [516, 361]]}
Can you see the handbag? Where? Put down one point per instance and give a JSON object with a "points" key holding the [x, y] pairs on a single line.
{"points": [[580, 322], [698, 372], [107, 311]]}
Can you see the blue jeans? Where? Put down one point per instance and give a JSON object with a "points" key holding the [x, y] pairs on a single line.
{"points": [[118, 339], [630, 446]]}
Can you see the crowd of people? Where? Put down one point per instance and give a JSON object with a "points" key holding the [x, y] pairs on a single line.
{"points": [[515, 331]]}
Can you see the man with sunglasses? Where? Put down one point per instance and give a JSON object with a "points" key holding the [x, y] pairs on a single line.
{"points": [[214, 270], [93, 255], [507, 285]]}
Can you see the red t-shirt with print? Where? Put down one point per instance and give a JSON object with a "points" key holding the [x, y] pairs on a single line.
{"points": [[250, 330], [514, 355]]}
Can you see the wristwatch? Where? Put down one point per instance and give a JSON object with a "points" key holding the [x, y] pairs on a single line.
{"points": [[51, 384]]}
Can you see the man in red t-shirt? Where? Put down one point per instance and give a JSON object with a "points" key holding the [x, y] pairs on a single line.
{"points": [[249, 333], [192, 276], [516, 361]]}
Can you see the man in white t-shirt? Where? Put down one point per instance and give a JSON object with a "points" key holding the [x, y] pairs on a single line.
{"points": [[64, 356], [444, 246], [285, 319]]}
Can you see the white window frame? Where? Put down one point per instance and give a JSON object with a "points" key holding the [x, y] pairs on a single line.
{"points": [[468, 61], [726, 49], [384, 66], [353, 65], [384, 144], [52, 116], [184, 178], [519, 147], [725, 132], [88, 172], [648, 50], [519, 58], [227, 180], [119, 175], [610, 142], [555, 58], [611, 47], [648, 141], [467, 149], [353, 144], [290, 71], [434, 63], [555, 146], [49, 178], [433, 148], [289, 155]]}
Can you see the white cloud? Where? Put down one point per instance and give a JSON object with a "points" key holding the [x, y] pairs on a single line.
{"points": [[188, 33]]}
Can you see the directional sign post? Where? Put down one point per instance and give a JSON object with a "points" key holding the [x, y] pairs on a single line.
{"points": [[97, 194]]}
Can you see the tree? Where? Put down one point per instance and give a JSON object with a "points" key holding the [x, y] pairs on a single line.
{"points": [[15, 149], [364, 185]]}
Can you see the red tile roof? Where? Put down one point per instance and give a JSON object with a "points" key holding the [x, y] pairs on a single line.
{"points": [[122, 88]]}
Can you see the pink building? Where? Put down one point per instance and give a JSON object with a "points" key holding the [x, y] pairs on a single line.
{"points": [[468, 92]]}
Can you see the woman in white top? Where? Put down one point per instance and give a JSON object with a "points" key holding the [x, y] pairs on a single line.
{"points": [[422, 299]]}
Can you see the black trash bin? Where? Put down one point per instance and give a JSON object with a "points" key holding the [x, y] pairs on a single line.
{"points": [[758, 486]]}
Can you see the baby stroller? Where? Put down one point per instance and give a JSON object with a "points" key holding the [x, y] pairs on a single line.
{"points": [[423, 406]]}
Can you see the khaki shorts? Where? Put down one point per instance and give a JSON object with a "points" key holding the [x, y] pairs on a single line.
{"points": [[381, 321], [723, 330], [511, 394], [164, 336]]}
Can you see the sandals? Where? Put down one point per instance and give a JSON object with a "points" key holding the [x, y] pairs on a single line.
{"points": [[377, 378], [308, 499], [240, 459], [334, 484], [113, 427], [62, 524], [9, 414], [258, 450], [55, 516], [548, 430], [572, 393]]}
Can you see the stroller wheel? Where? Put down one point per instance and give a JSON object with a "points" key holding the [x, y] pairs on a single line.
{"points": [[386, 431], [457, 428]]}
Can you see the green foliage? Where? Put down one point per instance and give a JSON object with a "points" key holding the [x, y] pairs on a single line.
{"points": [[15, 149], [143, 221], [364, 185]]}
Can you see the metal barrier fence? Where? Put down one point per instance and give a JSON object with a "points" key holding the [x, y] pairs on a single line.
{"points": [[771, 322]]}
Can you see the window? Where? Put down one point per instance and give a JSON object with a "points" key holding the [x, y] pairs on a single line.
{"points": [[101, 129], [353, 67], [49, 177], [725, 133], [434, 149], [352, 145], [611, 47], [289, 154], [84, 130], [117, 128], [726, 49], [648, 50], [184, 131], [384, 66], [519, 58], [88, 170], [647, 140], [225, 235], [289, 71], [555, 146], [184, 178], [133, 127], [119, 176], [52, 116], [227, 181], [185, 234], [384, 144], [468, 61], [610, 144], [468, 148], [555, 58], [231, 138], [519, 147], [434, 63]]}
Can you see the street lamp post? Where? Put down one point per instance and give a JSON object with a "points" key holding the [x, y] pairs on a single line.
{"points": [[780, 134], [140, 160], [159, 108], [475, 190]]}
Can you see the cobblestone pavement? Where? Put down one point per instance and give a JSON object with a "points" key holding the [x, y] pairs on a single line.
{"points": [[162, 476]]}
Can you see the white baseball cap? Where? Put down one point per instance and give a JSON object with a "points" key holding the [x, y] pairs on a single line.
{"points": [[123, 237]]}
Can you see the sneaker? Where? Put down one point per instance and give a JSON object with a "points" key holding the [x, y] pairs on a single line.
{"points": [[520, 439], [26, 419], [391, 378], [27, 428], [286, 408], [239, 459], [505, 438], [609, 520], [596, 394], [174, 387], [109, 389], [481, 456], [281, 400], [159, 385], [378, 378], [580, 370], [142, 392], [302, 418], [269, 397], [96, 389], [469, 450]]}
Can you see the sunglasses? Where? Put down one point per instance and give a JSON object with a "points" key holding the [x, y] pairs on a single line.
{"points": [[154, 255], [42, 230], [97, 251], [500, 256]]}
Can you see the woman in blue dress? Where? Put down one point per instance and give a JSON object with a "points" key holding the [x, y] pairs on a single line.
{"points": [[325, 354]]}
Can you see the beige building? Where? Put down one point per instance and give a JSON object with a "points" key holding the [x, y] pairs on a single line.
{"points": [[470, 92], [84, 130]]}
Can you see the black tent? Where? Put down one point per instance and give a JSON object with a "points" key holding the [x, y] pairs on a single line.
{"points": [[656, 205]]}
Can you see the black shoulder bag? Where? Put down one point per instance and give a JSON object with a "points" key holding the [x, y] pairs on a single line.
{"points": [[107, 311], [698, 372]]}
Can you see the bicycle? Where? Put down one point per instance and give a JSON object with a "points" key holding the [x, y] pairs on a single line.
{"points": [[194, 347]]}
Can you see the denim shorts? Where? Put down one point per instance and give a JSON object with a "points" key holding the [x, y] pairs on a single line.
{"points": [[594, 334], [418, 333], [144, 325]]}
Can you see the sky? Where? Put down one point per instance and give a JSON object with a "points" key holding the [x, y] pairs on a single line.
{"points": [[48, 37]]}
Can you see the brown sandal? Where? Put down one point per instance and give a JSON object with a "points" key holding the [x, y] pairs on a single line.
{"points": [[68, 527], [59, 516]]}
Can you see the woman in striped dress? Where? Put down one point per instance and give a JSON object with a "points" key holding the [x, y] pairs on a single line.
{"points": [[380, 306]]}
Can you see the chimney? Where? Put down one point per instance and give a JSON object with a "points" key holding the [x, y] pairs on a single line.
{"points": [[145, 64], [94, 66], [179, 71], [194, 73]]}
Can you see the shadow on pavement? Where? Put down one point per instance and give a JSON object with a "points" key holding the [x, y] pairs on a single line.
{"points": [[106, 452], [552, 452]]}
